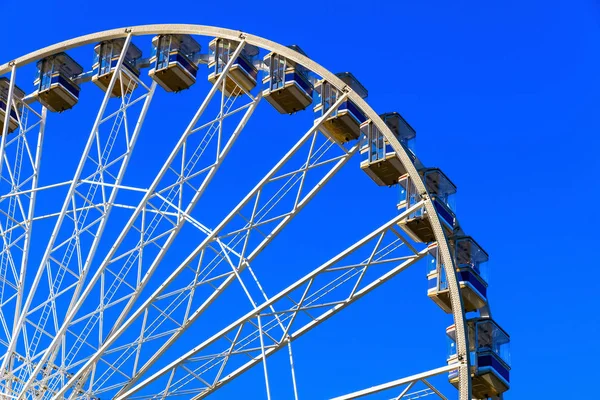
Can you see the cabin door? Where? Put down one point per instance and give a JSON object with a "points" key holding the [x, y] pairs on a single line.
{"points": [[329, 98], [164, 50], [106, 55], [376, 145], [409, 196], [277, 71], [442, 278], [222, 50], [46, 71]]}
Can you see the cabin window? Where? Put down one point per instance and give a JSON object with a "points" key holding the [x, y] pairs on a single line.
{"points": [[491, 337], [164, 49], [328, 97], [442, 278], [432, 264], [277, 71], [45, 72], [451, 344], [468, 254], [222, 54], [106, 55], [303, 72], [376, 144], [409, 196], [436, 266]]}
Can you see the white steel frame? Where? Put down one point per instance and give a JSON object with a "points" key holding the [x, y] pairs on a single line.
{"points": [[225, 251], [234, 242], [409, 381], [21, 172], [343, 285]]}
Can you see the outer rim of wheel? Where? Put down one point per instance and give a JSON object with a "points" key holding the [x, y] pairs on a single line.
{"points": [[204, 30]]}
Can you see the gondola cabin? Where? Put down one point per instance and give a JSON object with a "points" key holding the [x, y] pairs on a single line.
{"points": [[288, 88], [344, 123], [107, 56], [242, 74], [55, 82], [489, 348], [172, 63], [470, 263], [14, 114], [378, 158], [441, 190]]}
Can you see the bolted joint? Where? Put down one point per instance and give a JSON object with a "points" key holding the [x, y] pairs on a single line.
{"points": [[346, 89], [12, 63], [242, 36], [128, 30]]}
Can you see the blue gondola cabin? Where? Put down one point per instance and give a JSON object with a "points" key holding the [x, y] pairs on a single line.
{"points": [[489, 348], [288, 87], [441, 191], [172, 64], [344, 123], [242, 74], [55, 82], [378, 158], [14, 114], [106, 57], [470, 263]]}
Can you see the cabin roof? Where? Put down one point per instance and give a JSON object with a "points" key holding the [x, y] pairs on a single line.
{"points": [[473, 243], [396, 115], [350, 80], [5, 84], [133, 52], [249, 49], [65, 59], [443, 177], [187, 41]]}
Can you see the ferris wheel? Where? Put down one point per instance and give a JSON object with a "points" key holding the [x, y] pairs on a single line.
{"points": [[108, 269]]}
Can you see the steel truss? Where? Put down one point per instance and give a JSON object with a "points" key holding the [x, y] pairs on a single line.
{"points": [[83, 324], [221, 257], [285, 317], [20, 155], [76, 235], [153, 224], [408, 383]]}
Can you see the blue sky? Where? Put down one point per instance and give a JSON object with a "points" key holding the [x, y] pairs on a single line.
{"points": [[504, 97]]}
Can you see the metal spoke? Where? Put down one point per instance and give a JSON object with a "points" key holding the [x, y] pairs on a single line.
{"points": [[327, 290], [235, 233], [409, 381], [78, 247]]}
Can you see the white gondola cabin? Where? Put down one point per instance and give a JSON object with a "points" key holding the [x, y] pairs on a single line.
{"points": [[288, 87], [470, 262], [106, 58], [378, 158], [489, 348], [14, 114], [441, 191], [344, 123], [55, 82], [242, 74], [172, 63]]}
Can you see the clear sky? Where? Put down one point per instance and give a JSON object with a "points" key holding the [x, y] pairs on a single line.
{"points": [[504, 97]]}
